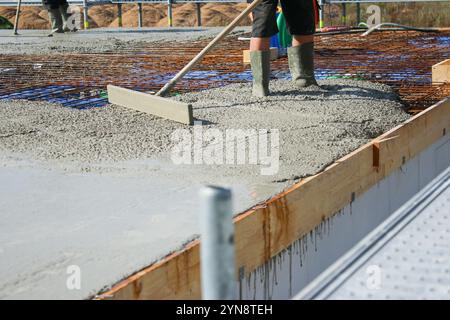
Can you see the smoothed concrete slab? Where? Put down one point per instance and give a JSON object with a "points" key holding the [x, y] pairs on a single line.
{"points": [[98, 188]]}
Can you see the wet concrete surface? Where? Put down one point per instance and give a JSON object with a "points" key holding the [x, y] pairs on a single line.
{"points": [[100, 40], [99, 188]]}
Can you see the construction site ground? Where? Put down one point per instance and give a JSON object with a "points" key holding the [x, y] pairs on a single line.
{"points": [[92, 185]]}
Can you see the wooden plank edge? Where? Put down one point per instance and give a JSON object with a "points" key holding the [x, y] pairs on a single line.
{"points": [[122, 285]]}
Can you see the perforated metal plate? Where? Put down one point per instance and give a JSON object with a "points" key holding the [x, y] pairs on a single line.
{"points": [[407, 257]]}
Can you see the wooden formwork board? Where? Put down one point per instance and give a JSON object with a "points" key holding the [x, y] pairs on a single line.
{"points": [[151, 104], [440, 72], [265, 230]]}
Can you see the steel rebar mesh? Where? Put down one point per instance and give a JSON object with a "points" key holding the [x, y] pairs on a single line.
{"points": [[401, 59]]}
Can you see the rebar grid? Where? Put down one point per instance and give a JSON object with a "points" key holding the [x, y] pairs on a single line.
{"points": [[401, 59]]}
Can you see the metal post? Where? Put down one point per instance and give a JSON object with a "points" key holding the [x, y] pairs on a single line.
{"points": [[140, 15], [199, 14], [217, 244], [344, 13], [321, 13], [358, 13], [16, 23], [169, 13], [85, 14], [119, 14]]}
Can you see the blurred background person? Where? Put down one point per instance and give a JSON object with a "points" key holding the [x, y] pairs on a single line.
{"points": [[58, 13]]}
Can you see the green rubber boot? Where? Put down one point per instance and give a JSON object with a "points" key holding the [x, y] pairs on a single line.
{"points": [[301, 64], [260, 62], [56, 21]]}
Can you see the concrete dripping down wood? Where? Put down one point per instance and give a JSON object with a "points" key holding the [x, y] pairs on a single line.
{"points": [[284, 274], [282, 268]]}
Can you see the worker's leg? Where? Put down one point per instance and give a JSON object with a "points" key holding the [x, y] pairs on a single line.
{"points": [[264, 26], [55, 20], [298, 40], [65, 15], [259, 44], [300, 20], [54, 15]]}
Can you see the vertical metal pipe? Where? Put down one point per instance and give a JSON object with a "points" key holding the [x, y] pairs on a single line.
{"points": [[358, 13], [217, 244], [199, 14], [16, 22], [321, 13], [140, 15], [85, 14], [169, 13], [119, 14]]}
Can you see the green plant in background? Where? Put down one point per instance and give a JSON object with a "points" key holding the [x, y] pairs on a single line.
{"points": [[5, 24]]}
